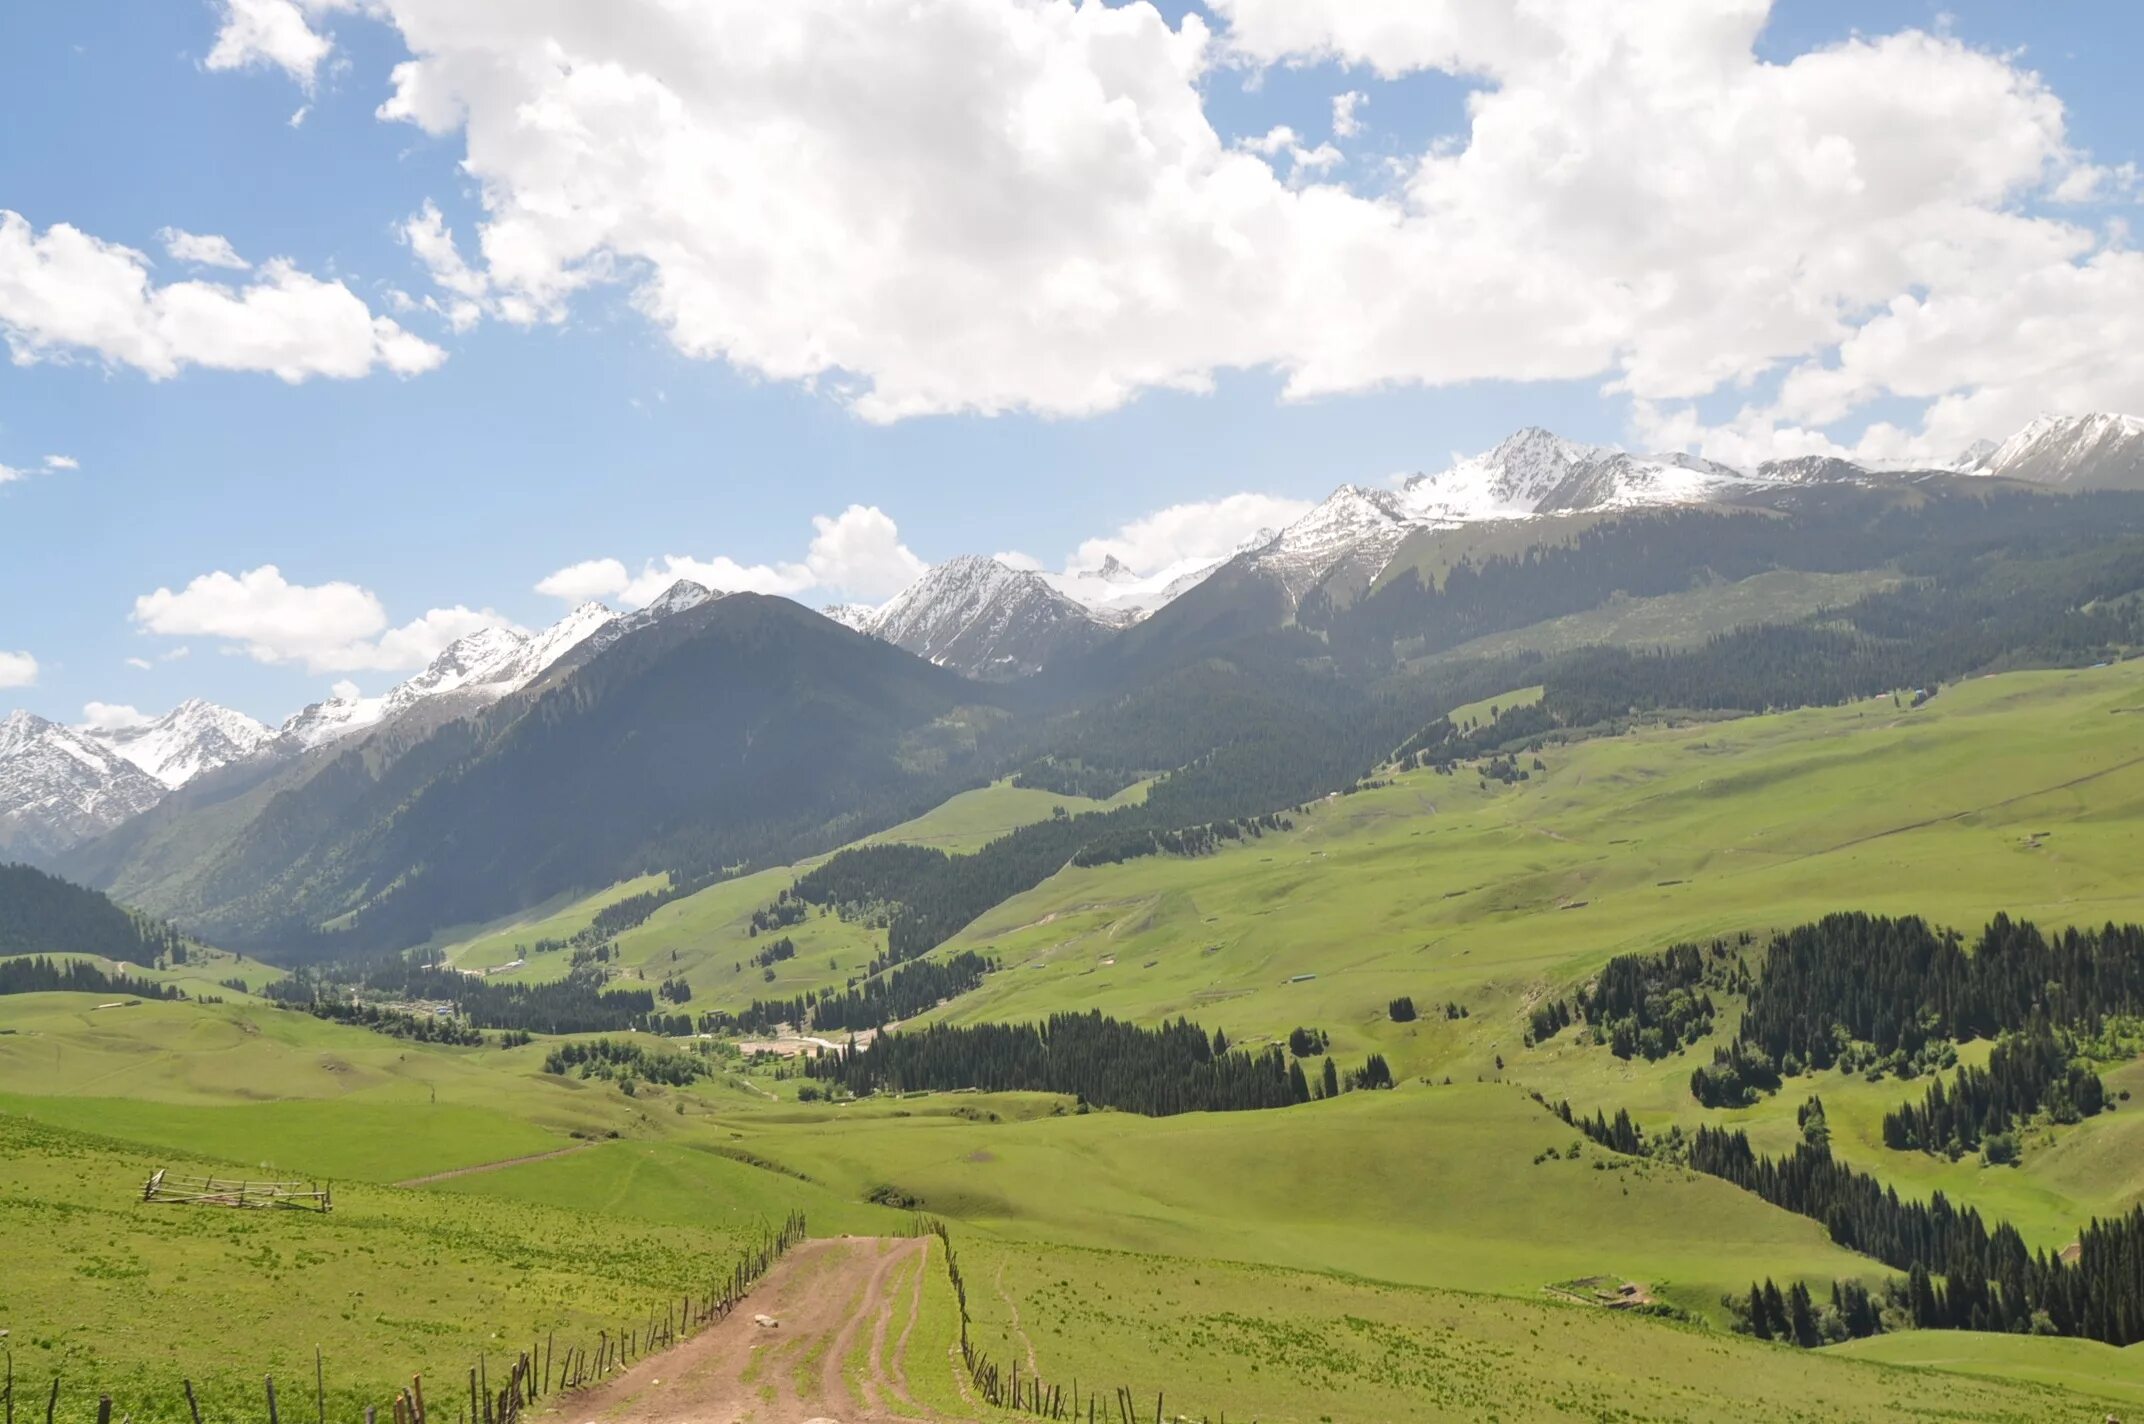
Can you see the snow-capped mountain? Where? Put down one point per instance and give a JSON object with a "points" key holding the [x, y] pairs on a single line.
{"points": [[2100, 451], [192, 738], [984, 618], [1355, 527], [59, 787], [1538, 472], [858, 616], [1116, 594], [469, 673]]}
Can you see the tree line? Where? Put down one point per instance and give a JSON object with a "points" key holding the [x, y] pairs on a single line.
{"points": [[43, 914], [1175, 1068], [2027, 1072], [41, 974], [906, 991], [1988, 1280]]}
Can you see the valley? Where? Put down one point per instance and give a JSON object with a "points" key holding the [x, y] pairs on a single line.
{"points": [[1267, 997]]}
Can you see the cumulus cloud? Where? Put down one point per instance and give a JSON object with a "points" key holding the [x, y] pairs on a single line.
{"points": [[927, 206], [857, 552], [65, 293], [1347, 113], [142, 663], [590, 578], [17, 670], [260, 33], [113, 716], [328, 627], [204, 249], [1193, 533], [62, 462]]}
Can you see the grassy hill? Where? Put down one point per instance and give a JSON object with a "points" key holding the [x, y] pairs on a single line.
{"points": [[1380, 1255]]}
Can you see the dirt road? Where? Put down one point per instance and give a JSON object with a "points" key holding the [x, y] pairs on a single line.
{"points": [[845, 1312]]}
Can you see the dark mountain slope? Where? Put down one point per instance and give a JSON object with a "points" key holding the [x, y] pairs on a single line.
{"points": [[747, 728], [43, 914]]}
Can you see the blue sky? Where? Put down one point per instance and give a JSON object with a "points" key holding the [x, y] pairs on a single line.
{"points": [[601, 428]]}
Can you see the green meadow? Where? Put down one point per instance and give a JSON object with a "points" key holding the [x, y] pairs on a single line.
{"points": [[1376, 1256]]}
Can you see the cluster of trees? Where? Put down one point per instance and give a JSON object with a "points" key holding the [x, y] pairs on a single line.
{"points": [[1989, 1281], [43, 914], [1069, 776], [1898, 985], [1650, 1006], [1134, 842], [908, 990], [607, 1058], [578, 1003], [1103, 1061], [1794, 1316], [674, 990], [39, 974], [783, 913], [1307, 1042], [396, 1023], [1401, 1009], [775, 953], [2027, 1072], [1620, 1134]]}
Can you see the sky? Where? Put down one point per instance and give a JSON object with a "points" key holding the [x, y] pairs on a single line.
{"points": [[340, 328]]}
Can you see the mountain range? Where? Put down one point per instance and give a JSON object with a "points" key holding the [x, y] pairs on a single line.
{"points": [[153, 789]]}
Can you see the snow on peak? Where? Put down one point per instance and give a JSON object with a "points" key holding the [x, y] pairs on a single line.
{"points": [[192, 738], [678, 598], [59, 787], [982, 617], [2102, 448], [856, 616]]}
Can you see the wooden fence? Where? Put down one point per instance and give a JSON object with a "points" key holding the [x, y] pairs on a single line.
{"points": [[1029, 1394], [530, 1375], [165, 1186]]}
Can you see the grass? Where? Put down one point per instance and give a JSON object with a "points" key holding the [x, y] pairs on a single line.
{"points": [[2084, 1365], [1383, 1255], [1263, 1343], [111, 1294], [1440, 1187], [1454, 890], [1679, 620]]}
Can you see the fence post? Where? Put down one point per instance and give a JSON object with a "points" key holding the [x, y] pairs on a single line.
{"points": [[104, 1409], [320, 1386], [272, 1417], [193, 1406]]}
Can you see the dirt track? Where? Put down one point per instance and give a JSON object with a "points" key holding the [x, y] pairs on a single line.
{"points": [[831, 1298]]}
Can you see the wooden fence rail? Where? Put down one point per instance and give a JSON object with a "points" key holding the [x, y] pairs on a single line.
{"points": [[1031, 1395], [531, 1374]]}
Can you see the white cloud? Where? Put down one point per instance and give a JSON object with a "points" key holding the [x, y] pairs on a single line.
{"points": [[1014, 559], [857, 552], [946, 205], [206, 249], [66, 292], [860, 552], [143, 663], [113, 716], [10, 473], [297, 116], [344, 690], [1347, 113], [591, 578], [17, 670], [1197, 532], [268, 32], [62, 462], [329, 627], [432, 240]]}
